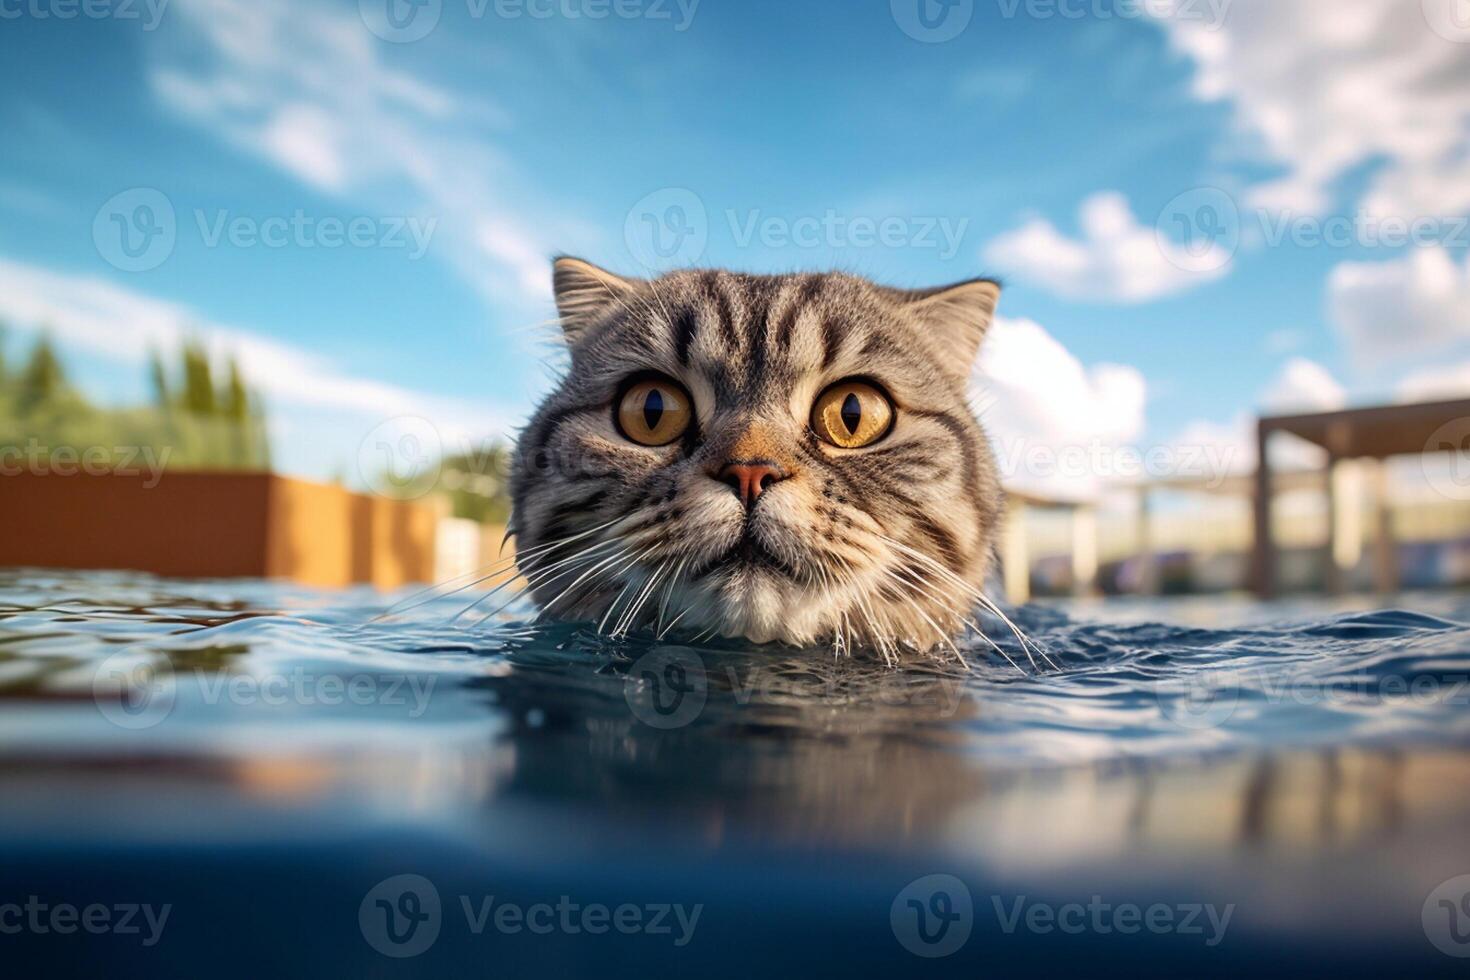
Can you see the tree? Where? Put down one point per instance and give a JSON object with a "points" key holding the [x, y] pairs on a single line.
{"points": [[478, 483], [235, 398], [246, 434], [42, 380], [162, 397], [198, 394]]}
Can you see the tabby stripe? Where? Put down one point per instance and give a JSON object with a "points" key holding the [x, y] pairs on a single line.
{"points": [[965, 441], [944, 541], [855, 491], [758, 330], [831, 342], [876, 346], [806, 295], [590, 502], [545, 427], [723, 313], [686, 327]]}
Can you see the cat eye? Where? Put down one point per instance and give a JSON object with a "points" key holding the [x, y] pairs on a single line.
{"points": [[653, 412], [852, 414]]}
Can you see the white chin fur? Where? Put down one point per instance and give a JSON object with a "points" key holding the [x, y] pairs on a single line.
{"points": [[757, 606]]}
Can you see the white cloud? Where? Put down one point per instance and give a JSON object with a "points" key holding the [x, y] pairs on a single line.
{"points": [[1117, 259], [1303, 386], [1232, 444], [1229, 448], [110, 321], [1212, 450], [307, 141], [1436, 383], [304, 87], [1413, 305], [1327, 86], [1035, 395]]}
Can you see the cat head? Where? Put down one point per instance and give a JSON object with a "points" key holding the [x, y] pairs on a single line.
{"points": [[782, 458]]}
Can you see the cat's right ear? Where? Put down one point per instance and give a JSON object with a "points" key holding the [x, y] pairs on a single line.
{"points": [[586, 294]]}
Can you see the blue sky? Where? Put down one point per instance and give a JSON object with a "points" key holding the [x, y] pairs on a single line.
{"points": [[1041, 142]]}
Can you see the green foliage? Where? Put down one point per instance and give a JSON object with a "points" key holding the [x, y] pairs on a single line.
{"points": [[198, 397], [236, 405], [191, 423], [42, 382], [159, 380], [200, 417], [478, 484]]}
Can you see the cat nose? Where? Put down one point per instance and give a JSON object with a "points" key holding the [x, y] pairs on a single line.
{"points": [[751, 479]]}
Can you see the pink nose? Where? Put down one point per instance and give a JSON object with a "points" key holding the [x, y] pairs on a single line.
{"points": [[750, 480]]}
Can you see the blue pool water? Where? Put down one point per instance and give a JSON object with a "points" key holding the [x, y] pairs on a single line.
{"points": [[278, 785]]}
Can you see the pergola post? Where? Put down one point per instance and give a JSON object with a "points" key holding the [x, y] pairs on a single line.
{"points": [[1015, 560], [1344, 523], [1332, 577], [1263, 559], [1373, 433], [1084, 550], [1385, 544], [1147, 567]]}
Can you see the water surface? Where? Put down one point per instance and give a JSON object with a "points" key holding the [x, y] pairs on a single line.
{"points": [[262, 758]]}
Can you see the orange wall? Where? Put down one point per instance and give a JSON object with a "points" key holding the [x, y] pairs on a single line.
{"points": [[209, 524]]}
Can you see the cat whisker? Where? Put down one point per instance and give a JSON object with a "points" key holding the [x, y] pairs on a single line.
{"points": [[546, 609], [968, 623], [624, 590], [501, 565], [943, 637], [534, 574], [432, 593], [668, 592], [1027, 644], [537, 577], [885, 642], [844, 573], [979, 596], [630, 618]]}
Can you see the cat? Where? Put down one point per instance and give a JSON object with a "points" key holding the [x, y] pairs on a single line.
{"points": [[784, 458]]}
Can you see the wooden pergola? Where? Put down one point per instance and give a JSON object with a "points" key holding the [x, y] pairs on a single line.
{"points": [[1375, 433], [1016, 558], [1235, 485]]}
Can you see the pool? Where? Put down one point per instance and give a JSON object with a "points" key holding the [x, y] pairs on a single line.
{"points": [[256, 780]]}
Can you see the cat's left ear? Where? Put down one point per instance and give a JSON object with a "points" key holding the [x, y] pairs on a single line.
{"points": [[585, 294], [957, 316]]}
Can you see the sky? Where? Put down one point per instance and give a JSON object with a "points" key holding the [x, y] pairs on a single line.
{"points": [[1201, 209]]}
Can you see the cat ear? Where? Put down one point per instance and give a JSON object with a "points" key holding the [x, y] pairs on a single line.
{"points": [[957, 316], [585, 294]]}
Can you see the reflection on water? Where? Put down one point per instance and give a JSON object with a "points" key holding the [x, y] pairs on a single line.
{"points": [[1314, 771]]}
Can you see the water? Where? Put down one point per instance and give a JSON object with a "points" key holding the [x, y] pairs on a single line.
{"points": [[1283, 789]]}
